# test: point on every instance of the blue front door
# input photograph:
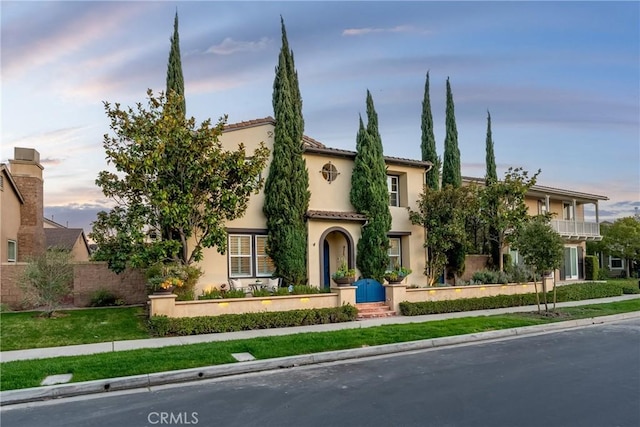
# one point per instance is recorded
(369, 290)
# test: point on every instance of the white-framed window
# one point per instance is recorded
(542, 207)
(395, 253)
(240, 255)
(394, 190)
(567, 211)
(616, 263)
(264, 263)
(248, 256)
(12, 251)
(515, 256)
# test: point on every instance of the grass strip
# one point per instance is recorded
(29, 373)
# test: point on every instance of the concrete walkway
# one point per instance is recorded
(75, 350)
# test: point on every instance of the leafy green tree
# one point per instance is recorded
(491, 177)
(169, 173)
(622, 240)
(451, 173)
(47, 280)
(370, 196)
(428, 145)
(443, 214)
(541, 249)
(504, 208)
(287, 187)
(175, 80)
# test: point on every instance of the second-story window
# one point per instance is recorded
(568, 213)
(394, 193)
(542, 207)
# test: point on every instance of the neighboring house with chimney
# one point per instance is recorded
(24, 232)
(21, 220)
(57, 236)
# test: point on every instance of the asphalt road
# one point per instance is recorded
(584, 377)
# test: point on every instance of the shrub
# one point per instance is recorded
(104, 298)
(47, 280)
(520, 274)
(165, 326)
(213, 293)
(573, 292)
(591, 267)
(184, 276)
(603, 273)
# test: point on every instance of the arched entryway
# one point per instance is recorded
(336, 244)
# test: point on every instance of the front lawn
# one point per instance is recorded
(22, 330)
(29, 373)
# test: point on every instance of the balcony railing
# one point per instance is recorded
(579, 230)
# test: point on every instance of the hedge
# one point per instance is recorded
(591, 267)
(171, 326)
(574, 292)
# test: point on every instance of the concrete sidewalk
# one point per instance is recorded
(84, 349)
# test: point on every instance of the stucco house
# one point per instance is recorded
(58, 236)
(24, 232)
(568, 210)
(333, 225)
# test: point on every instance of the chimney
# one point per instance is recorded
(27, 174)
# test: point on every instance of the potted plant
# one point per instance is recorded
(397, 275)
(344, 275)
(169, 285)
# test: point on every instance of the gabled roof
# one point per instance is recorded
(52, 223)
(4, 170)
(64, 238)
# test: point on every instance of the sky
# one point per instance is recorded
(560, 79)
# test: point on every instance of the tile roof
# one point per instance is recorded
(307, 140)
(348, 216)
(338, 152)
(543, 190)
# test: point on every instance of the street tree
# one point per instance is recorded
(541, 248)
(622, 240)
(287, 186)
(443, 214)
(370, 196)
(504, 208)
(170, 173)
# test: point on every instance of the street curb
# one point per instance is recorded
(12, 397)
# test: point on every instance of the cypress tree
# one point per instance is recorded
(491, 177)
(287, 185)
(175, 80)
(491, 173)
(451, 163)
(370, 196)
(451, 176)
(428, 144)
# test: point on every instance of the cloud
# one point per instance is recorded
(230, 46)
(396, 29)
